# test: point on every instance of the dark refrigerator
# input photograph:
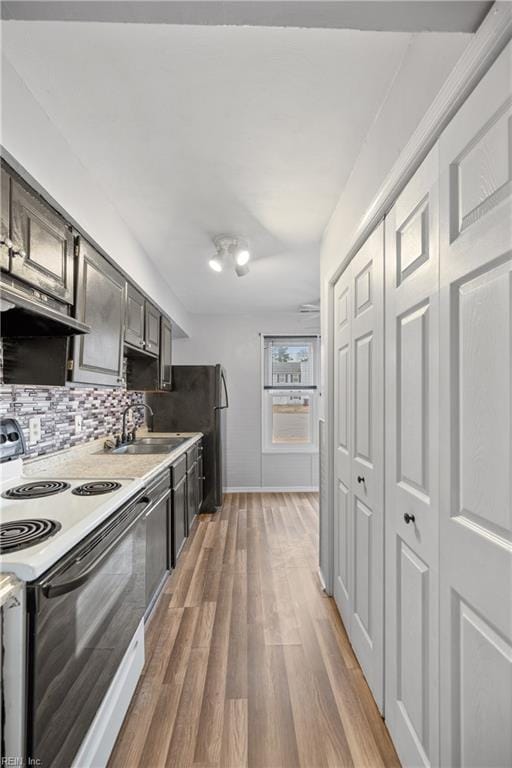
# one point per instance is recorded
(197, 403)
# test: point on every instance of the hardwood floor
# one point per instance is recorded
(247, 661)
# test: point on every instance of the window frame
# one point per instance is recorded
(270, 391)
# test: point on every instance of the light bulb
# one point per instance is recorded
(242, 257)
(215, 264)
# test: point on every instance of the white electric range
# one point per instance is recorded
(41, 519)
(75, 624)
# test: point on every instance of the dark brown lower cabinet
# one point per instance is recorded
(192, 478)
(200, 480)
(157, 533)
(179, 515)
(179, 507)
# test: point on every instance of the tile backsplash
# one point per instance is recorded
(101, 411)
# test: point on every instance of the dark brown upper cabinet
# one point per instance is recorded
(100, 302)
(42, 244)
(152, 329)
(5, 227)
(165, 355)
(134, 317)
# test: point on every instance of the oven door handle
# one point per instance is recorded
(56, 590)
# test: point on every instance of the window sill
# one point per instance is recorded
(290, 450)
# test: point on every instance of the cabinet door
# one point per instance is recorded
(152, 334)
(156, 546)
(179, 517)
(5, 227)
(134, 317)
(165, 354)
(98, 356)
(191, 494)
(42, 250)
(200, 481)
(412, 458)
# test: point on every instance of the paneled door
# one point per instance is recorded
(42, 245)
(100, 300)
(475, 426)
(412, 459)
(359, 482)
(343, 587)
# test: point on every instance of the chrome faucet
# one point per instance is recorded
(124, 436)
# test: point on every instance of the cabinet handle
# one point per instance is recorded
(21, 253)
(7, 242)
(360, 479)
(409, 518)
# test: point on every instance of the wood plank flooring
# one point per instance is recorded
(247, 661)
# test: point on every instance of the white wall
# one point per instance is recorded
(34, 142)
(234, 341)
(411, 93)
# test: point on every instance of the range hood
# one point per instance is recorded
(23, 315)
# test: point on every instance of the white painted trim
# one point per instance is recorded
(490, 39)
(272, 489)
(267, 447)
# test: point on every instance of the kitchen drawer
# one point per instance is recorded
(178, 470)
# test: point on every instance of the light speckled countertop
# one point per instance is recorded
(89, 460)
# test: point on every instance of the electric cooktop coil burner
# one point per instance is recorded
(96, 488)
(20, 534)
(36, 490)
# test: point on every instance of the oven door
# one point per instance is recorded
(82, 616)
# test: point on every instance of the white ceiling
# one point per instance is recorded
(194, 131)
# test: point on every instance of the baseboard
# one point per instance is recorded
(272, 489)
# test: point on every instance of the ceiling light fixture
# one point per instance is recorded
(216, 264)
(242, 257)
(231, 250)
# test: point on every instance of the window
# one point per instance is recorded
(290, 374)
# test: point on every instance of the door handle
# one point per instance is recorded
(409, 518)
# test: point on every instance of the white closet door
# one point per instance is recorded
(359, 416)
(367, 479)
(343, 536)
(412, 458)
(476, 430)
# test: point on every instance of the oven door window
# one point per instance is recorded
(77, 641)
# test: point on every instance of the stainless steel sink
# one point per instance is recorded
(174, 441)
(144, 448)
